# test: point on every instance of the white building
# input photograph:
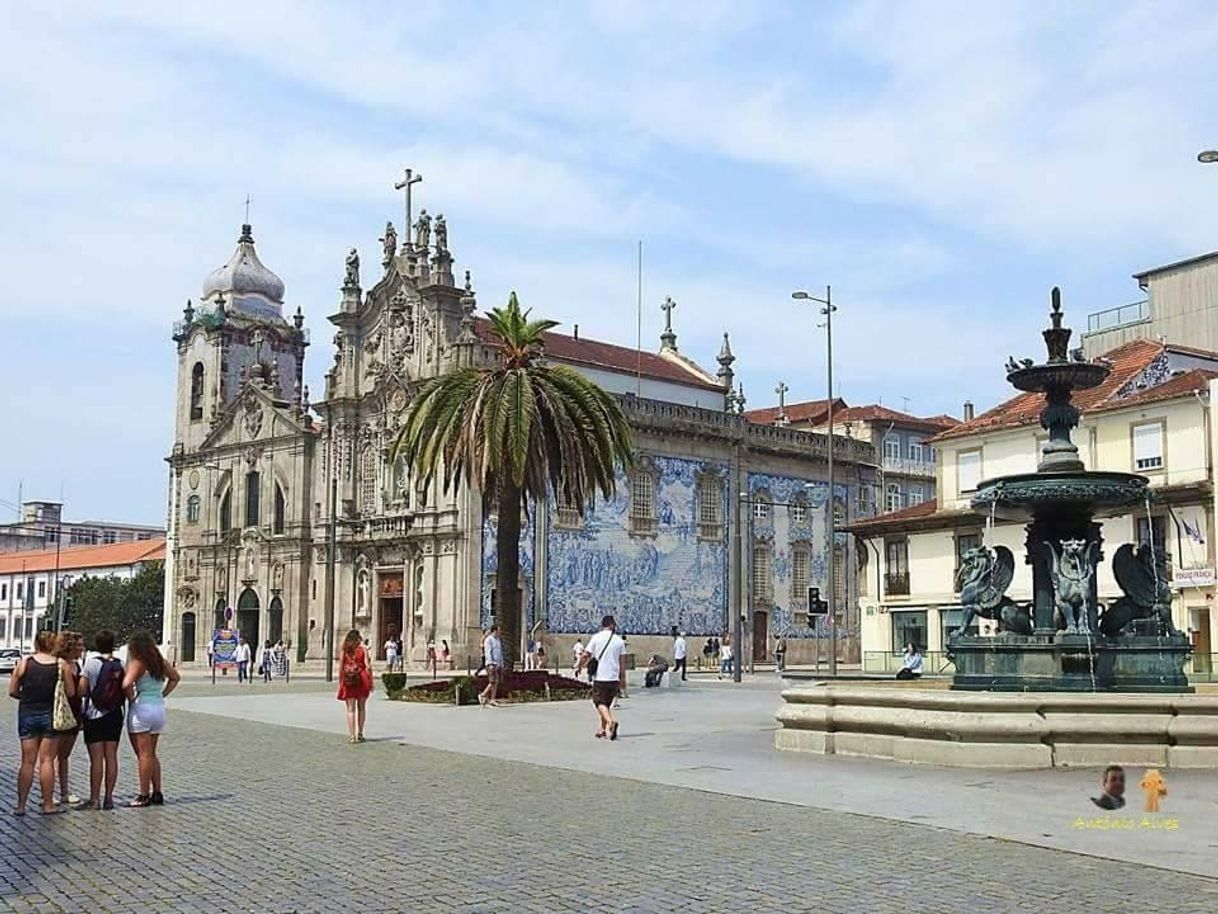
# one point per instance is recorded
(28, 580)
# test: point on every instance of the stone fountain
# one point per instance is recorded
(1065, 640)
(1053, 687)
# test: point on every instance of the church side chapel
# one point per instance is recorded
(262, 479)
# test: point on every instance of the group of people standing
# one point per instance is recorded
(59, 696)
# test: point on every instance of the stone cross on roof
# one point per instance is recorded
(782, 390)
(668, 339)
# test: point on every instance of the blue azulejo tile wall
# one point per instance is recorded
(648, 582)
(782, 526)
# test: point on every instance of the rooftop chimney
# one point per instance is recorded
(968, 410)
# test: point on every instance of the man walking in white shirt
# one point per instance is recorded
(679, 652)
(603, 658)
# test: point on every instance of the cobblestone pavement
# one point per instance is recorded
(274, 819)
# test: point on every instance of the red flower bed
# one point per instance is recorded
(517, 686)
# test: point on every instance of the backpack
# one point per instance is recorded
(107, 694)
(353, 672)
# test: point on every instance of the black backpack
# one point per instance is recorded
(107, 693)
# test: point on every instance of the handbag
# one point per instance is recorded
(595, 662)
(62, 717)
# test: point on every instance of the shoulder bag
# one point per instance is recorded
(595, 662)
(62, 717)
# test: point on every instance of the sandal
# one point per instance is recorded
(157, 798)
(18, 813)
(53, 811)
(140, 801)
(613, 731)
(82, 805)
(600, 734)
(351, 740)
(108, 805)
(360, 739)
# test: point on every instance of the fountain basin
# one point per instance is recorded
(1068, 662)
(1074, 375)
(1025, 496)
(1000, 730)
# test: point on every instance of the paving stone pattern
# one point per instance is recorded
(276, 819)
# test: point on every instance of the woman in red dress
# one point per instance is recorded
(354, 684)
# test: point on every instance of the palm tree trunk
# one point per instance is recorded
(507, 572)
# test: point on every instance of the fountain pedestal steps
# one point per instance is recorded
(1001, 729)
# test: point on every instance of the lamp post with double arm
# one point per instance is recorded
(827, 310)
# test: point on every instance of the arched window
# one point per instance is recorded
(253, 481)
(218, 619)
(196, 391)
(192, 509)
(226, 512)
(280, 510)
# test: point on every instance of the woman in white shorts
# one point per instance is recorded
(148, 680)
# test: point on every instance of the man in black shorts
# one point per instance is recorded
(603, 657)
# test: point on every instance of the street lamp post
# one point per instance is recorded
(827, 310)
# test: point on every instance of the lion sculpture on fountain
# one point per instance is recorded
(1072, 569)
(985, 574)
(1142, 576)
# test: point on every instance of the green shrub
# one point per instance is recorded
(394, 683)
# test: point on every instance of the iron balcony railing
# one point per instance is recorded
(906, 467)
(934, 663)
(896, 583)
(1133, 313)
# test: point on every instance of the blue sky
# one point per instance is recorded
(941, 164)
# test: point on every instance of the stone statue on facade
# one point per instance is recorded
(1071, 569)
(389, 244)
(1142, 576)
(363, 593)
(441, 234)
(422, 232)
(352, 277)
(985, 574)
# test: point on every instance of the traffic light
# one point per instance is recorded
(816, 606)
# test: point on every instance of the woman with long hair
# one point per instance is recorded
(354, 684)
(33, 685)
(69, 648)
(147, 682)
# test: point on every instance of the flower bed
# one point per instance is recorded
(524, 686)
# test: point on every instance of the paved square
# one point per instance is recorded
(272, 818)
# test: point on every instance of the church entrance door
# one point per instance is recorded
(391, 610)
(248, 612)
(761, 636)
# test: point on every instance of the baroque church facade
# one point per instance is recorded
(279, 505)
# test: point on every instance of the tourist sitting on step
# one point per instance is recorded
(657, 666)
(911, 663)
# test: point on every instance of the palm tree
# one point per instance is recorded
(518, 431)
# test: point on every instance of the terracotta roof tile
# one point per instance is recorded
(810, 411)
(1127, 362)
(73, 558)
(876, 412)
(609, 356)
